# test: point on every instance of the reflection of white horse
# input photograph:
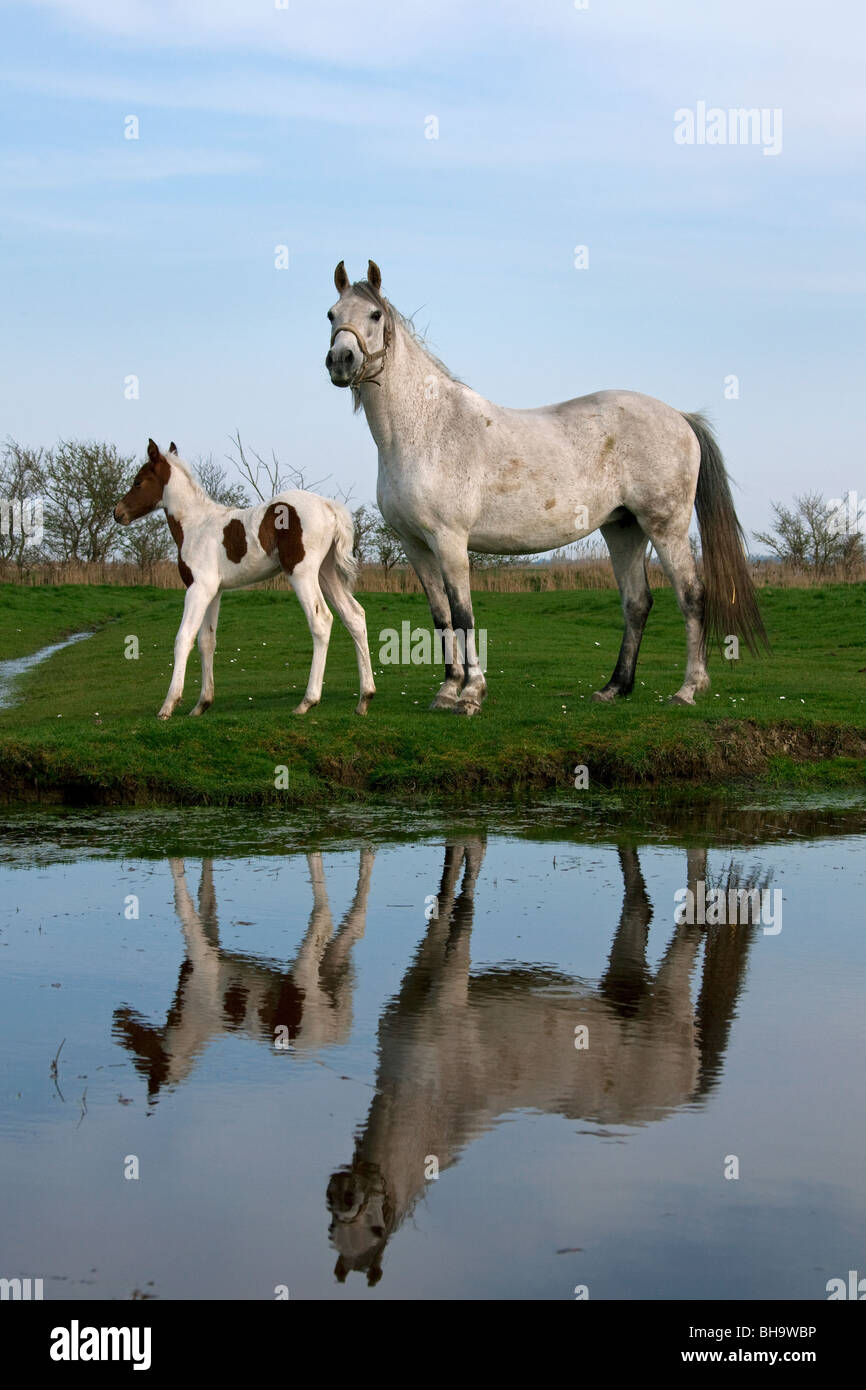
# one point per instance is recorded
(223, 991)
(457, 1049)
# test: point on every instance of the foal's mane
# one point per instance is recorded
(395, 318)
(187, 469)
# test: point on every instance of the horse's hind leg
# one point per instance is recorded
(354, 619)
(206, 645)
(627, 542)
(319, 620)
(678, 563)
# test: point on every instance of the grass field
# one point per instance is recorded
(85, 728)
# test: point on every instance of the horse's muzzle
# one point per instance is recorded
(342, 366)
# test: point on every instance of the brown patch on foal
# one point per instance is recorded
(235, 540)
(176, 530)
(551, 502)
(286, 538)
(607, 446)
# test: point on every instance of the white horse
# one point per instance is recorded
(457, 472)
(306, 536)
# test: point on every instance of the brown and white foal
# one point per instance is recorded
(306, 536)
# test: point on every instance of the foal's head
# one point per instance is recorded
(361, 328)
(145, 495)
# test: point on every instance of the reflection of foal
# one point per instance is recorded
(306, 536)
(221, 991)
(457, 1049)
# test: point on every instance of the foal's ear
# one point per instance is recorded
(374, 276)
(153, 451)
(341, 279)
(172, 448)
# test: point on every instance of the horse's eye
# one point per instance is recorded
(376, 315)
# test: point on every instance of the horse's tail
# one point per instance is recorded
(730, 601)
(343, 545)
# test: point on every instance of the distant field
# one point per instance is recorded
(85, 729)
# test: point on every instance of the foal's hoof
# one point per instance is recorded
(164, 714)
(444, 702)
(301, 708)
(200, 708)
(364, 703)
(681, 699)
(604, 697)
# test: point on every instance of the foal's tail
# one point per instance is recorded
(343, 545)
(730, 602)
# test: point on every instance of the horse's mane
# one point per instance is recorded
(395, 318)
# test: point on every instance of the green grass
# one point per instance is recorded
(86, 728)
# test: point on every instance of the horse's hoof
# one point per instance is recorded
(300, 709)
(199, 709)
(444, 702)
(681, 700)
(164, 714)
(467, 707)
(604, 697)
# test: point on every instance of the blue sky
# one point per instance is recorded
(305, 126)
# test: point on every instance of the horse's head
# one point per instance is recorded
(361, 1220)
(148, 485)
(361, 329)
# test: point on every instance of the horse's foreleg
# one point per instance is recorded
(354, 620)
(198, 597)
(454, 560)
(426, 567)
(319, 620)
(627, 542)
(206, 645)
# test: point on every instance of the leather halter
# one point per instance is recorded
(361, 374)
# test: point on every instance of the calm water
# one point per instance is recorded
(305, 1023)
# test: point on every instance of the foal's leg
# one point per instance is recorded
(454, 562)
(206, 645)
(196, 603)
(627, 542)
(675, 553)
(319, 621)
(355, 621)
(427, 568)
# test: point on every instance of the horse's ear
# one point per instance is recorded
(152, 451)
(374, 276)
(341, 279)
(172, 448)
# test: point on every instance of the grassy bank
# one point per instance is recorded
(85, 729)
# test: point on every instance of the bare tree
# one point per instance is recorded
(808, 535)
(81, 480)
(385, 544)
(21, 505)
(267, 478)
(146, 542)
(364, 521)
(216, 483)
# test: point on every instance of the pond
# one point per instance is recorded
(386, 1056)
